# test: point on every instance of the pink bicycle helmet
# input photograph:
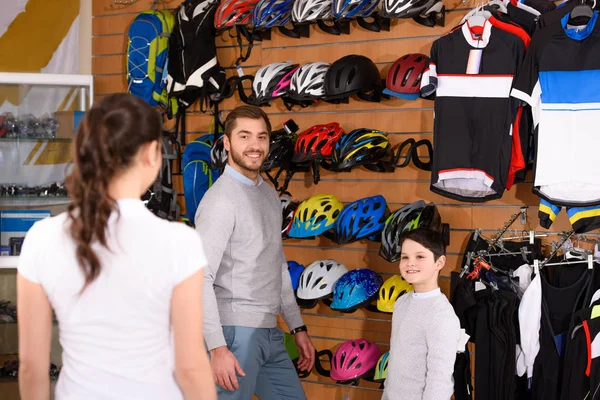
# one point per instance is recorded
(354, 359)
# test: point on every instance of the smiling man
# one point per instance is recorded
(246, 282)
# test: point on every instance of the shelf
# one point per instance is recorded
(33, 200)
(34, 139)
(8, 262)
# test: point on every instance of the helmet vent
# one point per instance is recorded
(352, 361)
(392, 290)
(317, 281)
(323, 286)
(328, 266)
(361, 346)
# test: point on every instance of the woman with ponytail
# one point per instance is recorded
(125, 285)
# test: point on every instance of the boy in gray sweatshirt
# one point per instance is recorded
(246, 282)
(425, 329)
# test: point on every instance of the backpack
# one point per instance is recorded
(194, 71)
(198, 176)
(161, 198)
(147, 51)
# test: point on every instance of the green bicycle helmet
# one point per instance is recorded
(381, 367)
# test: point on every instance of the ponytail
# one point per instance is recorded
(107, 140)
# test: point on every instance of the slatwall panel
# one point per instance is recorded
(401, 119)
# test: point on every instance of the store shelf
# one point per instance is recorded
(8, 262)
(33, 139)
(17, 201)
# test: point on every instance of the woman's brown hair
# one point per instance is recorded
(106, 142)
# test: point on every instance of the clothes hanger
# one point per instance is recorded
(582, 10)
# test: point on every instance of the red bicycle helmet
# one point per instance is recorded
(234, 12)
(317, 142)
(404, 77)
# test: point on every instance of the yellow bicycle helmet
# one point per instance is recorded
(389, 292)
(381, 368)
(315, 215)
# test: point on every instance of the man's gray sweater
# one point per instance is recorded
(246, 282)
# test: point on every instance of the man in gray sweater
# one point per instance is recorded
(246, 282)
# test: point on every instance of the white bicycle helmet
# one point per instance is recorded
(317, 280)
(305, 11)
(272, 81)
(308, 81)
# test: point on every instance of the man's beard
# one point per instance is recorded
(239, 160)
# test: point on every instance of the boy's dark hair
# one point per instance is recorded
(428, 238)
(246, 111)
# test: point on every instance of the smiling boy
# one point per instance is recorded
(425, 329)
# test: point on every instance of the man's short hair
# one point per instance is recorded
(248, 111)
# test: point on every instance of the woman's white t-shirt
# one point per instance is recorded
(116, 334)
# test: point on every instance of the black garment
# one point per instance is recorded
(563, 294)
(463, 390)
(543, 6)
(473, 114)
(524, 19)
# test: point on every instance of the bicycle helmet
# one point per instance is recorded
(288, 208)
(218, 154)
(404, 77)
(355, 289)
(360, 219)
(412, 216)
(354, 359)
(404, 8)
(234, 12)
(269, 13)
(381, 368)
(434, 14)
(281, 152)
(317, 142)
(308, 82)
(306, 11)
(295, 269)
(367, 147)
(353, 74)
(318, 279)
(394, 287)
(350, 9)
(272, 81)
(315, 216)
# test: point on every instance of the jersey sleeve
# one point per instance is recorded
(526, 85)
(31, 257)
(429, 80)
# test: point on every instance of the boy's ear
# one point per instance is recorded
(440, 263)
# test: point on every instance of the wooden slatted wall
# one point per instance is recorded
(401, 119)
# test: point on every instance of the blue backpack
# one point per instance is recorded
(198, 176)
(147, 51)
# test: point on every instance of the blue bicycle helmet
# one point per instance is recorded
(355, 289)
(353, 9)
(360, 219)
(269, 13)
(295, 269)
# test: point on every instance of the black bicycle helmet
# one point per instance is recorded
(350, 75)
(410, 217)
(367, 147)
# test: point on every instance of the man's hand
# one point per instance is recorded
(224, 367)
(306, 361)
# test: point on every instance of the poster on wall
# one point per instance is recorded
(38, 36)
